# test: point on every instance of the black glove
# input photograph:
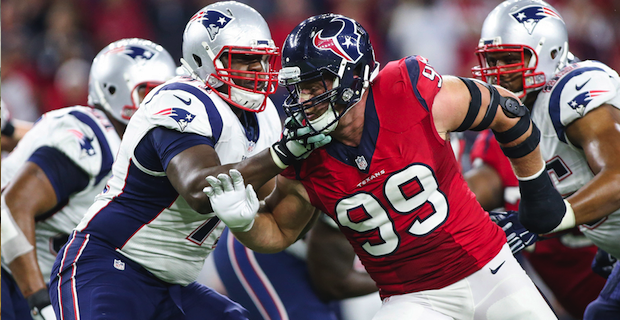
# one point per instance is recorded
(41, 306)
(296, 144)
(517, 236)
(603, 263)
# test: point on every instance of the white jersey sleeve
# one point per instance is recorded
(581, 88)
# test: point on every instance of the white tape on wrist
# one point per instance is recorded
(534, 176)
(568, 221)
(14, 242)
(276, 159)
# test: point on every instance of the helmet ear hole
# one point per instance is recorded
(554, 53)
(112, 89)
(197, 60)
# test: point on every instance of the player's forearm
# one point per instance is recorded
(258, 169)
(598, 198)
(265, 235)
(27, 274)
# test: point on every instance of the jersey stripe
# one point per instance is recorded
(554, 100)
(106, 157)
(214, 115)
(413, 68)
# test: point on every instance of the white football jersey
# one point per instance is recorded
(85, 136)
(139, 212)
(576, 90)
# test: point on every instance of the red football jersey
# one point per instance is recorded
(563, 262)
(399, 197)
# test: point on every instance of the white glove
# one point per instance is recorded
(296, 144)
(231, 201)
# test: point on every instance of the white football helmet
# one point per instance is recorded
(221, 30)
(516, 26)
(122, 69)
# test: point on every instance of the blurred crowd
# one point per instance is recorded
(47, 45)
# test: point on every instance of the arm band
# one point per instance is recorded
(8, 129)
(541, 208)
(474, 105)
(525, 147)
(14, 242)
(491, 110)
(515, 132)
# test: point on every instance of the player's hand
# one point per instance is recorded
(232, 201)
(296, 144)
(517, 236)
(603, 263)
(41, 306)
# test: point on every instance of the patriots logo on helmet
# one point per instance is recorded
(134, 52)
(344, 44)
(580, 102)
(530, 16)
(181, 116)
(213, 21)
(86, 147)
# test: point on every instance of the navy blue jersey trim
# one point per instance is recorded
(107, 159)
(414, 69)
(160, 145)
(57, 167)
(347, 154)
(215, 119)
(554, 100)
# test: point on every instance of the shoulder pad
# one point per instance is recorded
(76, 139)
(584, 87)
(186, 107)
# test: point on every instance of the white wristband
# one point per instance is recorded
(14, 242)
(568, 221)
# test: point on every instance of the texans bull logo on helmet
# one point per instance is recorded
(345, 43)
(213, 21)
(529, 17)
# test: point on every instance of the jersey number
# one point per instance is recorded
(430, 73)
(201, 233)
(394, 190)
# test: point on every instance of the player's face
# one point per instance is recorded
(246, 62)
(311, 89)
(508, 62)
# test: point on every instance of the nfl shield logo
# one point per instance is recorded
(361, 162)
(118, 264)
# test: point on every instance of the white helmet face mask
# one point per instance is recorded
(522, 28)
(218, 34)
(124, 72)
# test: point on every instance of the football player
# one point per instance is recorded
(52, 176)
(524, 48)
(389, 178)
(138, 250)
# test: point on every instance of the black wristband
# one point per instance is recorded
(39, 299)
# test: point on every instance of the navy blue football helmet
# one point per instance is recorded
(327, 46)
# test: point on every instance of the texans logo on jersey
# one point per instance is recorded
(213, 20)
(342, 43)
(134, 52)
(86, 147)
(580, 102)
(529, 17)
(181, 116)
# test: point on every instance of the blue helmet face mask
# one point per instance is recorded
(327, 47)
